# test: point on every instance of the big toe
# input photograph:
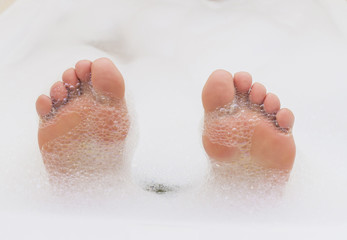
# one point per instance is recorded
(106, 78)
(218, 90)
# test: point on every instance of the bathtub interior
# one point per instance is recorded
(165, 51)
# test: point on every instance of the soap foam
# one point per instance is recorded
(233, 125)
(92, 150)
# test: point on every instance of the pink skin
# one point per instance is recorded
(270, 147)
(58, 93)
(43, 105)
(70, 79)
(106, 80)
(243, 81)
(83, 70)
(257, 93)
(285, 118)
(218, 90)
(272, 103)
(78, 120)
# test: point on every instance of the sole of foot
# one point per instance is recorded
(245, 127)
(84, 122)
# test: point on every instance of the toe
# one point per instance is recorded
(285, 118)
(271, 103)
(70, 79)
(106, 78)
(43, 105)
(58, 93)
(218, 90)
(243, 81)
(83, 69)
(257, 94)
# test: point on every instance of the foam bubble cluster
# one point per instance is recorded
(95, 146)
(233, 125)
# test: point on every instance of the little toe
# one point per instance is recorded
(43, 105)
(58, 93)
(83, 69)
(257, 94)
(218, 90)
(70, 79)
(285, 118)
(271, 103)
(106, 79)
(243, 81)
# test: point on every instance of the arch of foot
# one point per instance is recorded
(83, 127)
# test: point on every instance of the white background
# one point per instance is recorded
(165, 51)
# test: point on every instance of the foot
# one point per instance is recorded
(84, 123)
(244, 125)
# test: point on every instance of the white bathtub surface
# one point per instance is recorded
(166, 50)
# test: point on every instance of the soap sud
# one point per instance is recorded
(243, 115)
(92, 151)
(96, 168)
(93, 158)
(233, 126)
(316, 189)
